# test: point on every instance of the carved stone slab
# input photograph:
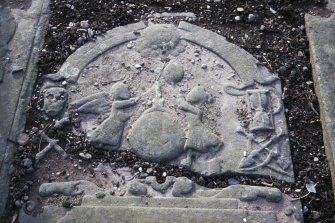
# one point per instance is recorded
(181, 95)
(175, 200)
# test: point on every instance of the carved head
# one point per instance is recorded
(55, 99)
(120, 91)
(159, 39)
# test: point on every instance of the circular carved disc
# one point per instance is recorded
(157, 136)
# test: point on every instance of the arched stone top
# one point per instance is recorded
(176, 94)
(246, 66)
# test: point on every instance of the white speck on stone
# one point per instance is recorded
(237, 18)
(64, 83)
(240, 9)
(309, 82)
(138, 66)
(164, 174)
(96, 84)
(262, 27)
(258, 46)
(244, 220)
(245, 153)
(316, 159)
(140, 169)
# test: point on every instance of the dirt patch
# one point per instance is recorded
(272, 31)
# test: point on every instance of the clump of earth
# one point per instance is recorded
(272, 31)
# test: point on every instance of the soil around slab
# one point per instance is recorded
(278, 40)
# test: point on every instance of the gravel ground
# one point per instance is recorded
(271, 30)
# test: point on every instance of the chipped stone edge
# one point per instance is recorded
(19, 119)
(323, 84)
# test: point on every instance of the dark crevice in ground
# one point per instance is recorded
(278, 40)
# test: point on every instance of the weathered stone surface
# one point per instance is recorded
(16, 88)
(192, 203)
(7, 30)
(190, 98)
(320, 33)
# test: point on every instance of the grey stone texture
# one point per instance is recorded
(180, 201)
(18, 79)
(188, 97)
(320, 33)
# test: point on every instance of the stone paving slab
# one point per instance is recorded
(321, 36)
(181, 95)
(175, 200)
(17, 82)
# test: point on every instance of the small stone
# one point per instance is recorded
(305, 69)
(283, 70)
(80, 41)
(300, 54)
(34, 129)
(164, 174)
(27, 163)
(64, 83)
(138, 66)
(251, 17)
(23, 139)
(239, 9)
(237, 18)
(316, 159)
(309, 82)
(258, 46)
(18, 204)
(84, 24)
(96, 84)
(149, 170)
(273, 11)
(204, 66)
(130, 45)
(86, 156)
(140, 169)
(262, 27)
(100, 195)
(90, 33)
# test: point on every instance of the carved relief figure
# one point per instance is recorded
(156, 135)
(198, 138)
(109, 133)
(54, 100)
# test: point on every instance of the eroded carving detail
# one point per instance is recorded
(52, 144)
(170, 100)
